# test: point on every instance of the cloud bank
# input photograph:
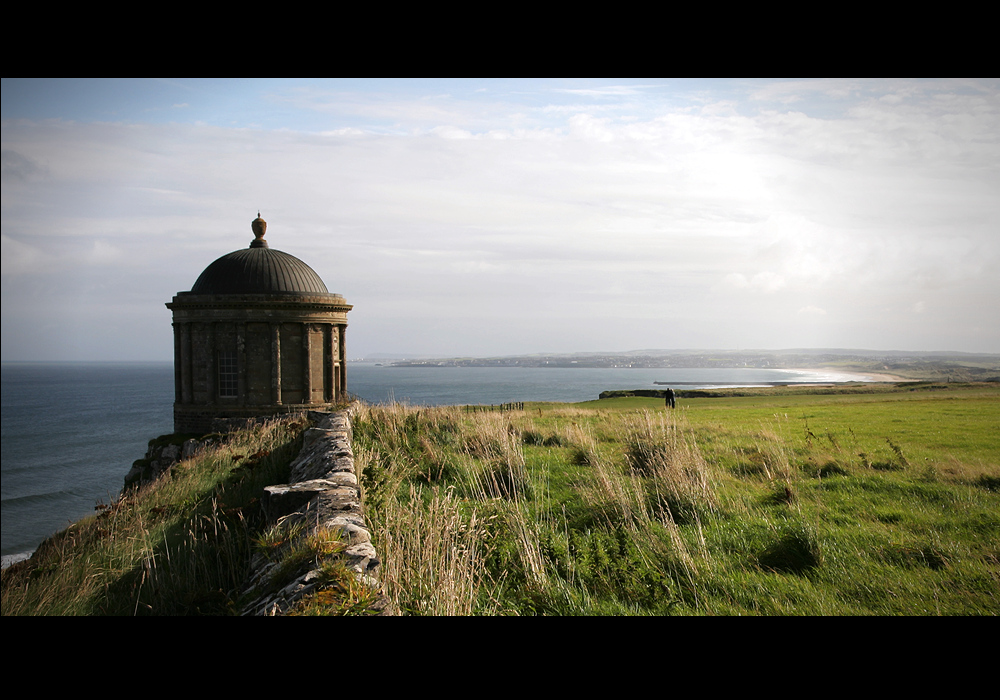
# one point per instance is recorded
(504, 218)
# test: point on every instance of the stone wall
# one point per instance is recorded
(322, 496)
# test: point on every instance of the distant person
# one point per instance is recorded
(668, 398)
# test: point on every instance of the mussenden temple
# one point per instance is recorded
(258, 334)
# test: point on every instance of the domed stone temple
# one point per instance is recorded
(258, 334)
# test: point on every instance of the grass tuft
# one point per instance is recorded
(796, 551)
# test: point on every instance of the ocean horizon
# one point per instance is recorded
(71, 430)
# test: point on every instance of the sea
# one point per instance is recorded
(71, 431)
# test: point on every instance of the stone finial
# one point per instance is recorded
(259, 226)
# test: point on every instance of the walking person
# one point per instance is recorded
(668, 398)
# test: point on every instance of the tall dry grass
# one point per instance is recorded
(432, 554)
(449, 546)
(430, 541)
(678, 476)
(661, 482)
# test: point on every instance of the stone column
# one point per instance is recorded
(241, 363)
(307, 363)
(177, 362)
(186, 388)
(335, 362)
(212, 362)
(342, 391)
(329, 366)
(276, 363)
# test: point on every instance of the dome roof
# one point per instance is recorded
(259, 270)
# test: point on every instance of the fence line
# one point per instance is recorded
(515, 406)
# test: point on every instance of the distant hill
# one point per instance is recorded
(954, 366)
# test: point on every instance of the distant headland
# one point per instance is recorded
(893, 365)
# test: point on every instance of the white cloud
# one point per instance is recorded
(814, 311)
(19, 258)
(16, 168)
(451, 132)
(766, 282)
(794, 91)
(103, 253)
(608, 90)
(709, 212)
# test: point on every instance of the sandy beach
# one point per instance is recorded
(872, 376)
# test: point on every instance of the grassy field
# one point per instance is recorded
(783, 502)
(874, 500)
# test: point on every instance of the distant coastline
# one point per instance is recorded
(866, 365)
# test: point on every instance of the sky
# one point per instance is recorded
(495, 216)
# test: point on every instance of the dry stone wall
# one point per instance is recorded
(322, 497)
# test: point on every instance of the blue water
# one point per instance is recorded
(70, 432)
(496, 385)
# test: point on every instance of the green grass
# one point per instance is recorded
(777, 503)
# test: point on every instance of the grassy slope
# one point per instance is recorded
(778, 503)
(180, 546)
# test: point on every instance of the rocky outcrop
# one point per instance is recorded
(161, 454)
